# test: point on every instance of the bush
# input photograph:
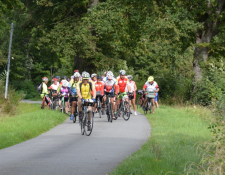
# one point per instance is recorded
(27, 87)
(10, 104)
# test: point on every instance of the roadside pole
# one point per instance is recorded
(8, 63)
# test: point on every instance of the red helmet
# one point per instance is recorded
(76, 70)
(54, 79)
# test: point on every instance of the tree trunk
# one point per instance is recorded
(201, 54)
(92, 4)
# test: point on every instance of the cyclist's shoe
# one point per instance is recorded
(135, 113)
(89, 126)
(71, 117)
(130, 112)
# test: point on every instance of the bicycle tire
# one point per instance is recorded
(88, 133)
(74, 119)
(110, 112)
(138, 102)
(126, 115)
(100, 112)
(82, 123)
(146, 108)
(150, 108)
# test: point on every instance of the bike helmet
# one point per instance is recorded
(44, 79)
(85, 75)
(110, 75)
(99, 77)
(57, 77)
(76, 71)
(54, 79)
(76, 75)
(122, 72)
(65, 83)
(150, 79)
(65, 77)
(130, 77)
(93, 75)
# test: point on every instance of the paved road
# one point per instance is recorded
(63, 150)
(33, 102)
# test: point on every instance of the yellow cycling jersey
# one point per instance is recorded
(85, 90)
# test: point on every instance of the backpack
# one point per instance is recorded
(40, 88)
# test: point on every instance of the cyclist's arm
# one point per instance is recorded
(135, 87)
(144, 87)
(94, 91)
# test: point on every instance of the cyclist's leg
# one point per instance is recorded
(113, 106)
(66, 105)
(89, 113)
(153, 105)
(74, 103)
(80, 108)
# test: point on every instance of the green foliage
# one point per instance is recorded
(9, 105)
(26, 87)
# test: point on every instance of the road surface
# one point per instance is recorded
(63, 150)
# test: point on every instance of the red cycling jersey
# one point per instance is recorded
(122, 83)
(99, 87)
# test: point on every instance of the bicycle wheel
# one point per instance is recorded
(146, 108)
(138, 102)
(74, 119)
(110, 112)
(86, 130)
(126, 114)
(150, 108)
(82, 124)
(100, 112)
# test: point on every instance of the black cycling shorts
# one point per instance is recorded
(100, 97)
(65, 99)
(110, 94)
(131, 97)
(73, 99)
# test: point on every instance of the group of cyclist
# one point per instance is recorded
(80, 87)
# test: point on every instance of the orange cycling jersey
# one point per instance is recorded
(100, 87)
(122, 83)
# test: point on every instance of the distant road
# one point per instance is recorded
(29, 101)
(63, 150)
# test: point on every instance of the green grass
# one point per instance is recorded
(172, 145)
(29, 122)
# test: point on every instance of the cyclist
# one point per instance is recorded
(99, 87)
(110, 90)
(84, 92)
(94, 77)
(58, 78)
(122, 83)
(54, 88)
(73, 99)
(132, 96)
(44, 92)
(65, 91)
(151, 85)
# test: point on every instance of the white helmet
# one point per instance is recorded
(85, 75)
(65, 83)
(130, 77)
(76, 75)
(93, 75)
(122, 72)
(109, 75)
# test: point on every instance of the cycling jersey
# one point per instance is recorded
(85, 89)
(44, 90)
(54, 86)
(99, 87)
(74, 86)
(150, 87)
(122, 83)
(65, 91)
(109, 86)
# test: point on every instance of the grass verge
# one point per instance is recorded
(172, 145)
(29, 122)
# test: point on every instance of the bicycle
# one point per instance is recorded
(141, 99)
(85, 113)
(124, 108)
(49, 102)
(62, 106)
(109, 108)
(148, 106)
(55, 99)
